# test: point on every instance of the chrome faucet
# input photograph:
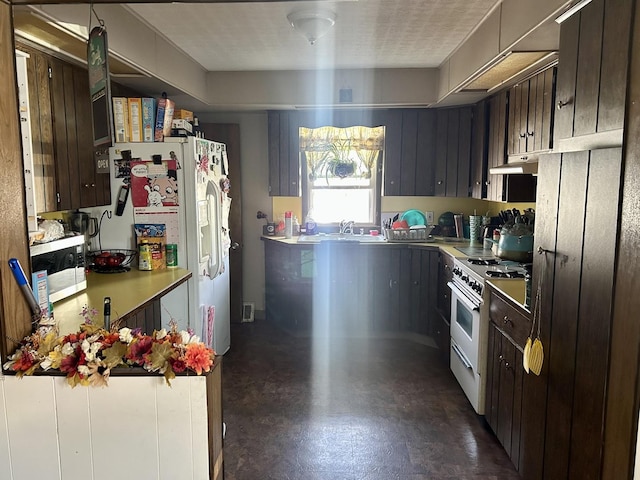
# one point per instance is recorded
(346, 226)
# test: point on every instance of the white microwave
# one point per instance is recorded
(64, 261)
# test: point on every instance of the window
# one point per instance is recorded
(341, 173)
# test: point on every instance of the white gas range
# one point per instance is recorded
(470, 318)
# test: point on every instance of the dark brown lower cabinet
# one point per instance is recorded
(504, 391)
(147, 317)
(289, 298)
(351, 287)
(440, 329)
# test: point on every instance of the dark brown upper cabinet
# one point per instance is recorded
(592, 76)
(496, 143)
(453, 152)
(504, 188)
(60, 115)
(409, 169)
(284, 162)
(480, 150)
(531, 110)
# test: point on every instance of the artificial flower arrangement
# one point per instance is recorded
(88, 356)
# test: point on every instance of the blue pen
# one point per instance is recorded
(20, 277)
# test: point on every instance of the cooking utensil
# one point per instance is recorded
(518, 248)
(525, 355)
(533, 355)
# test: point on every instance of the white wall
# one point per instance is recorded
(254, 166)
(136, 428)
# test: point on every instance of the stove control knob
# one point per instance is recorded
(465, 278)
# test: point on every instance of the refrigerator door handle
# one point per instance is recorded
(215, 264)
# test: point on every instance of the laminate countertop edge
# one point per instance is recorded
(128, 291)
(512, 290)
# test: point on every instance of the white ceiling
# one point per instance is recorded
(367, 33)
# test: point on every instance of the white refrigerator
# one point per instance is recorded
(183, 184)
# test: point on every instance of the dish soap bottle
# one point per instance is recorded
(296, 226)
(310, 224)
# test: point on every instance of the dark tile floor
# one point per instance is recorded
(306, 408)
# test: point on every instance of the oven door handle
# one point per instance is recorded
(461, 356)
(463, 297)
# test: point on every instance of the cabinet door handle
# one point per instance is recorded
(530, 134)
(523, 135)
(439, 182)
(507, 321)
(562, 104)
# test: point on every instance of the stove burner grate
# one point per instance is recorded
(503, 274)
(482, 261)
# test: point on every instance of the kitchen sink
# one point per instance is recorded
(340, 237)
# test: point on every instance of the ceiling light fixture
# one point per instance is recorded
(575, 8)
(313, 24)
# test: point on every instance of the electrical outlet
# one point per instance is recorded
(429, 216)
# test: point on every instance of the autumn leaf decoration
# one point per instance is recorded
(88, 357)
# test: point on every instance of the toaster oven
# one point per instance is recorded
(64, 261)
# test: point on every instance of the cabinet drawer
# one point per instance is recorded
(509, 320)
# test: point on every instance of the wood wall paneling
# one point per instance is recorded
(534, 397)
(622, 388)
(15, 321)
(596, 294)
(588, 68)
(567, 67)
(618, 18)
(562, 348)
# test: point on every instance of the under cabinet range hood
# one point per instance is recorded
(523, 167)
